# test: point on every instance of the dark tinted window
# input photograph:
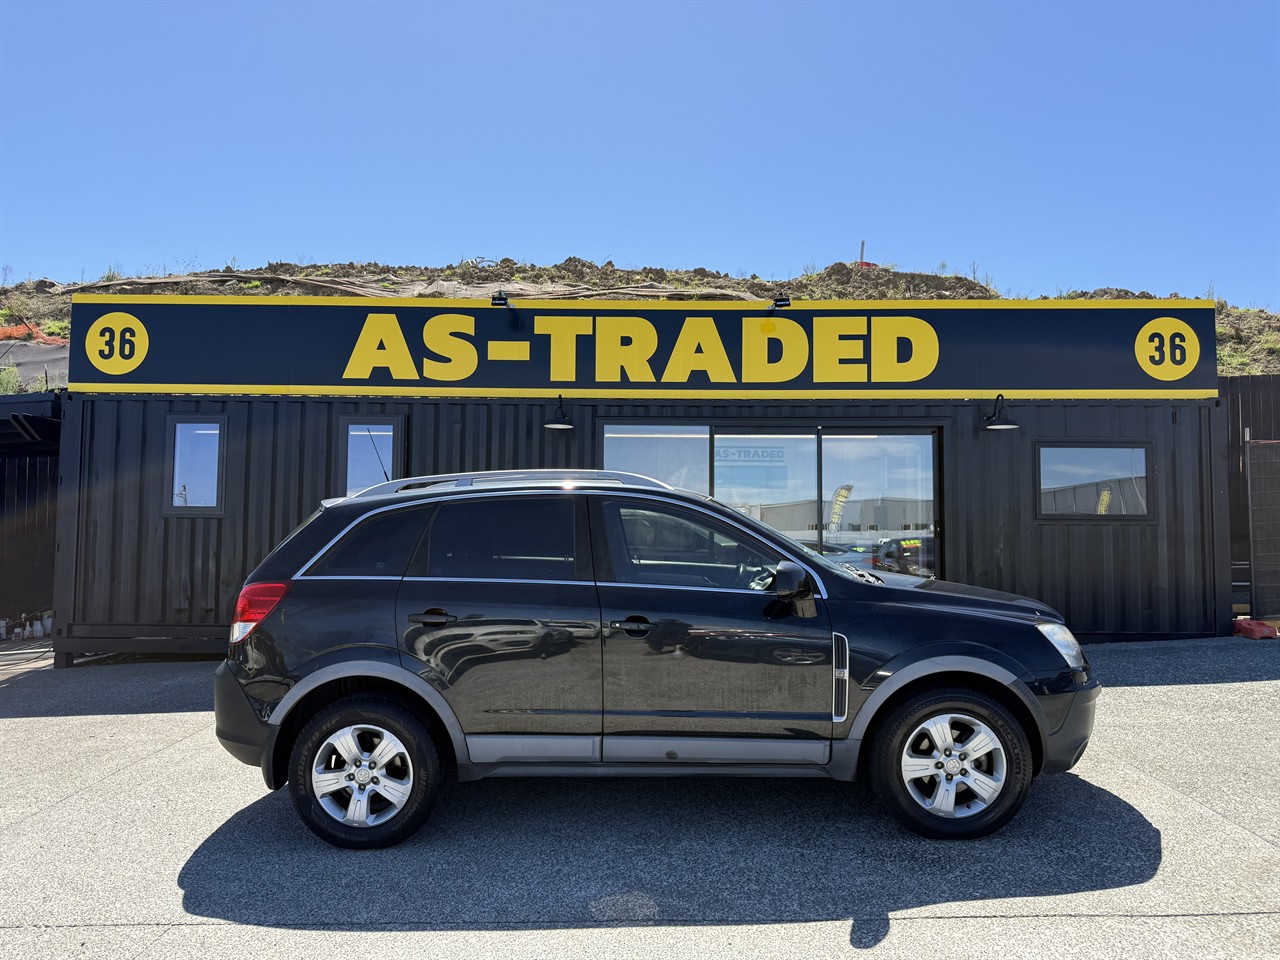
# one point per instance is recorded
(377, 547)
(492, 538)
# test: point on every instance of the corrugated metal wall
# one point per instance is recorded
(27, 498)
(127, 570)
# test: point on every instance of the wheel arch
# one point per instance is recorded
(329, 684)
(981, 676)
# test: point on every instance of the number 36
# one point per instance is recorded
(1176, 352)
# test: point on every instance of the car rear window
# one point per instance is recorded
(378, 546)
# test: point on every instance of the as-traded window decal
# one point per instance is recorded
(669, 349)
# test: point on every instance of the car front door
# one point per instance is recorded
(498, 610)
(702, 662)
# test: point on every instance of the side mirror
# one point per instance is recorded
(791, 582)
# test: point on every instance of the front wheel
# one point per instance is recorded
(364, 773)
(951, 764)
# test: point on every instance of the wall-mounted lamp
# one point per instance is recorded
(999, 420)
(499, 300)
(780, 302)
(559, 420)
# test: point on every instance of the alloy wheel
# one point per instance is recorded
(362, 775)
(953, 765)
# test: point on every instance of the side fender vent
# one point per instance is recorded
(839, 677)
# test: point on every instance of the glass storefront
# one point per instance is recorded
(673, 454)
(864, 498)
(772, 477)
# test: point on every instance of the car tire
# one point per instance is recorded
(364, 773)
(922, 772)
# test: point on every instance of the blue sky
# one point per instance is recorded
(1055, 145)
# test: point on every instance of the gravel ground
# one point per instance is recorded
(135, 835)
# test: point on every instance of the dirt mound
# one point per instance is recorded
(40, 310)
(574, 277)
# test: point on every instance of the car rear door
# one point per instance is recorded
(499, 611)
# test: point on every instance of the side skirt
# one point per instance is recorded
(479, 771)
(842, 766)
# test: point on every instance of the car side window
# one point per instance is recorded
(660, 544)
(497, 538)
(378, 546)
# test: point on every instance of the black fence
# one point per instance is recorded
(1264, 527)
(1253, 415)
(27, 499)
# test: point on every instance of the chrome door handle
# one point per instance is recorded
(632, 626)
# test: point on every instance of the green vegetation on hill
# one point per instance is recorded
(1248, 339)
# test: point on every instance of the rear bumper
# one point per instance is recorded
(240, 730)
(1066, 745)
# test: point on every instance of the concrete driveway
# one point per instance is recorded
(126, 831)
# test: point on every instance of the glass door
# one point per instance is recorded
(673, 453)
(772, 477)
(878, 502)
(867, 499)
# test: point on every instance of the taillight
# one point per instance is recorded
(255, 602)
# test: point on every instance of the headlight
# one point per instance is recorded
(1067, 644)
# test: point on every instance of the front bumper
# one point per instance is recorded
(1065, 746)
(239, 728)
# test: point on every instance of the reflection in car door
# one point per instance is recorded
(499, 611)
(699, 664)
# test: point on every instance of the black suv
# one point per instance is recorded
(571, 623)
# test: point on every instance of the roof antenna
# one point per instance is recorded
(377, 454)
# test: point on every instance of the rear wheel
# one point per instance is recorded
(364, 773)
(952, 764)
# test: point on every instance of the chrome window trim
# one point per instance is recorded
(682, 586)
(628, 493)
(353, 577)
(419, 504)
(564, 583)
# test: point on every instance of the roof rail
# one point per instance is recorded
(507, 476)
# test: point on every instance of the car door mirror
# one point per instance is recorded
(792, 582)
(793, 586)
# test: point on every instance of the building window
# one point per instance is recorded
(673, 453)
(828, 488)
(1093, 481)
(195, 465)
(370, 452)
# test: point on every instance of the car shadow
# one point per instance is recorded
(502, 854)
